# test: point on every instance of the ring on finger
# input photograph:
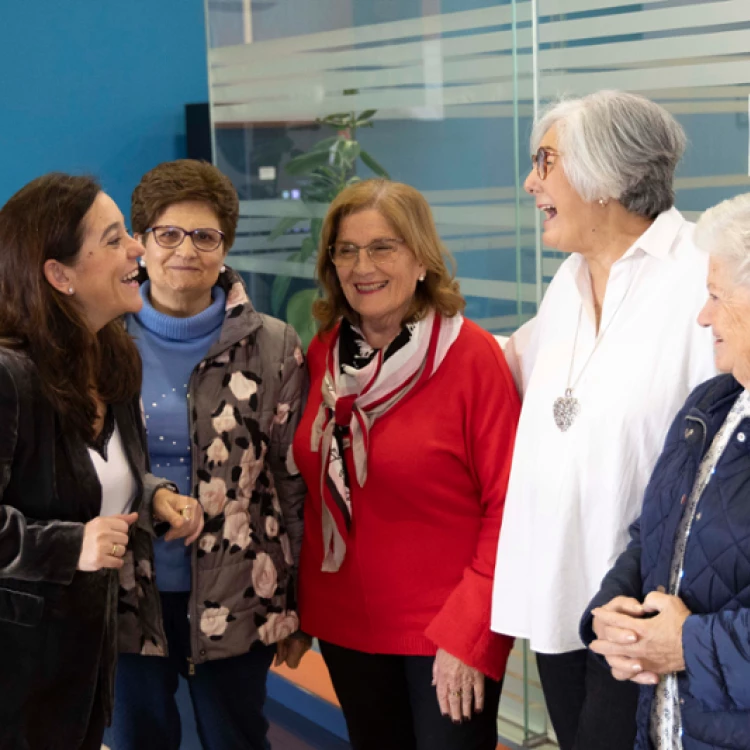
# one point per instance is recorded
(185, 512)
(114, 550)
(458, 693)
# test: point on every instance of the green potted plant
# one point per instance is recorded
(323, 171)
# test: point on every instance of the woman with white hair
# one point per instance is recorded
(603, 368)
(687, 562)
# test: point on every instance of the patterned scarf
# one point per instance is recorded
(360, 385)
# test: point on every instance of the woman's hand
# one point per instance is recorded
(291, 650)
(622, 667)
(105, 539)
(458, 686)
(183, 514)
(657, 649)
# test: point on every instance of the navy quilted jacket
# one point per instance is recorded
(715, 686)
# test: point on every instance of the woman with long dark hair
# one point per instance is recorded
(76, 502)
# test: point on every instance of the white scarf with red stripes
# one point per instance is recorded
(354, 395)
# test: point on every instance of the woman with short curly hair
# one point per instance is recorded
(223, 390)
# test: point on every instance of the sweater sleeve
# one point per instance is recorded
(29, 550)
(462, 627)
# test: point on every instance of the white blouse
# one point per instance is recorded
(573, 494)
(115, 476)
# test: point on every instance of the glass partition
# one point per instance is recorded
(441, 94)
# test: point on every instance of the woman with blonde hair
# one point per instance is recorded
(405, 447)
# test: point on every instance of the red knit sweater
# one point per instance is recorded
(421, 551)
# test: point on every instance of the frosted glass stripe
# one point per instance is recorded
(371, 34)
(712, 181)
(647, 78)
(497, 215)
(307, 87)
(645, 50)
(483, 68)
(559, 7)
(275, 66)
(646, 21)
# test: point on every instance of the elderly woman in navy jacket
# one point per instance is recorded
(673, 614)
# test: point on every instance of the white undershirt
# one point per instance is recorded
(572, 495)
(115, 476)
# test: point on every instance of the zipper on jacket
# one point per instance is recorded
(193, 603)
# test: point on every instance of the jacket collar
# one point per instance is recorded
(240, 317)
(719, 397)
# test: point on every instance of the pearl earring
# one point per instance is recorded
(222, 269)
(142, 262)
(603, 202)
(422, 277)
(70, 290)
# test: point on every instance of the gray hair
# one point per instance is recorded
(724, 232)
(617, 145)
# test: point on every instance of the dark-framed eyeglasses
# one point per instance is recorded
(541, 161)
(381, 252)
(170, 237)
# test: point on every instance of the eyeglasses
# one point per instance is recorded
(380, 252)
(541, 161)
(205, 240)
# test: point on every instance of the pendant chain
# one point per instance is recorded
(566, 408)
(570, 386)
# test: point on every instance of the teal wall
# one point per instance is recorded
(97, 86)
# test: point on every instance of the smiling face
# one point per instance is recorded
(183, 272)
(380, 294)
(727, 312)
(103, 277)
(569, 218)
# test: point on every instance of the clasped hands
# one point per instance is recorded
(637, 647)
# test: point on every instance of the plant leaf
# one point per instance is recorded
(349, 151)
(325, 144)
(279, 290)
(305, 163)
(283, 226)
(373, 165)
(299, 315)
(363, 117)
(309, 248)
(340, 120)
(316, 227)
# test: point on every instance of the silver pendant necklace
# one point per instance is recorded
(567, 407)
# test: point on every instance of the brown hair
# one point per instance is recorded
(185, 180)
(407, 211)
(45, 220)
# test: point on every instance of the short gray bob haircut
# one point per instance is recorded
(616, 145)
(724, 232)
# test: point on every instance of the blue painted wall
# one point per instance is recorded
(97, 87)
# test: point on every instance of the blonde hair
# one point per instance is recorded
(407, 211)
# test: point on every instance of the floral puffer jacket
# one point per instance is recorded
(245, 400)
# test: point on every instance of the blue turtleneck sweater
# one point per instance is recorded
(171, 348)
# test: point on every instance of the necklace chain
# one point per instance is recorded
(566, 408)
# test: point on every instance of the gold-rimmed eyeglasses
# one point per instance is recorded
(541, 161)
(381, 251)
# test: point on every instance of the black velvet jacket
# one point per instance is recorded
(59, 626)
